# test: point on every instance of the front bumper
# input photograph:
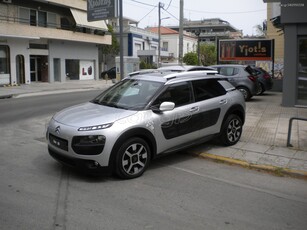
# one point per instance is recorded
(87, 166)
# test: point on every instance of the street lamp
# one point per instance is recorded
(197, 33)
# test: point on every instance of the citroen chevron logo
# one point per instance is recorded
(58, 129)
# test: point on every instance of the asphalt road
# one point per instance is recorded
(178, 191)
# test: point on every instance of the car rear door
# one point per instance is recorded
(212, 102)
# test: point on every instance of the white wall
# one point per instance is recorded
(71, 50)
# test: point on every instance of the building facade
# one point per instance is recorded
(137, 42)
(293, 22)
(47, 41)
(170, 43)
(210, 30)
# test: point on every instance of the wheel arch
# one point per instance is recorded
(135, 132)
(236, 109)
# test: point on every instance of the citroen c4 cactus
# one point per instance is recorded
(141, 117)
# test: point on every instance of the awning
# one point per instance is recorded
(81, 20)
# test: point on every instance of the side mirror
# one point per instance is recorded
(165, 106)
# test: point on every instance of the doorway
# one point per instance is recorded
(57, 69)
(35, 70)
(20, 70)
(39, 68)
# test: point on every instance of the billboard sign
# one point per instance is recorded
(101, 9)
(246, 50)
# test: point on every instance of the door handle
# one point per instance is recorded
(194, 109)
(223, 101)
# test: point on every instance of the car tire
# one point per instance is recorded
(261, 89)
(247, 95)
(132, 158)
(231, 130)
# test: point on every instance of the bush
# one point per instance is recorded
(190, 58)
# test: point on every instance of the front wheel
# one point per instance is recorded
(133, 158)
(231, 130)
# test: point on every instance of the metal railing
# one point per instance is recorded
(290, 128)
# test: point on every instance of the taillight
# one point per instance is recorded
(266, 76)
(252, 78)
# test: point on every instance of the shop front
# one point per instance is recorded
(294, 23)
(5, 77)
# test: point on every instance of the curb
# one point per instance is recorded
(273, 169)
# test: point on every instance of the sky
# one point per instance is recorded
(242, 14)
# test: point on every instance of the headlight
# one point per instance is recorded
(95, 127)
(88, 145)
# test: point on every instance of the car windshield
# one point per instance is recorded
(132, 94)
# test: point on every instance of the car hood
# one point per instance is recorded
(89, 114)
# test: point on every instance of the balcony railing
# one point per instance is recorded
(63, 26)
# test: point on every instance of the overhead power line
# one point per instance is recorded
(147, 13)
(146, 4)
(221, 12)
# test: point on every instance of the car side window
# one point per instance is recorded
(179, 93)
(207, 89)
(227, 71)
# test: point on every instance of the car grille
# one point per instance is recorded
(58, 142)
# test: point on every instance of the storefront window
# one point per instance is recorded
(72, 69)
(79, 69)
(302, 72)
(4, 65)
(4, 60)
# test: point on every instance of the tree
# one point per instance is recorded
(190, 58)
(261, 29)
(207, 54)
(111, 49)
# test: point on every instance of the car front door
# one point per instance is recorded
(178, 126)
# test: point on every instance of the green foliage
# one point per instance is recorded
(208, 54)
(145, 65)
(114, 48)
(190, 58)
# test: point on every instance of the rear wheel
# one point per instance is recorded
(261, 89)
(133, 158)
(231, 130)
(247, 95)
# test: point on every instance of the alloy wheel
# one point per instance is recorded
(234, 130)
(134, 159)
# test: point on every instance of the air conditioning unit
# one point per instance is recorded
(7, 1)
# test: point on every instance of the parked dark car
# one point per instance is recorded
(243, 77)
(109, 74)
(265, 80)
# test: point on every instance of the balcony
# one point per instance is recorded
(16, 27)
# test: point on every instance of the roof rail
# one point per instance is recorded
(197, 73)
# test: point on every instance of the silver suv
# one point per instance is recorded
(144, 116)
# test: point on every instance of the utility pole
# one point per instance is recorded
(181, 33)
(159, 34)
(121, 41)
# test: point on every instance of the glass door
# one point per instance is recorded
(302, 72)
(35, 68)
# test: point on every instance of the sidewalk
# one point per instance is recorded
(44, 88)
(263, 144)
